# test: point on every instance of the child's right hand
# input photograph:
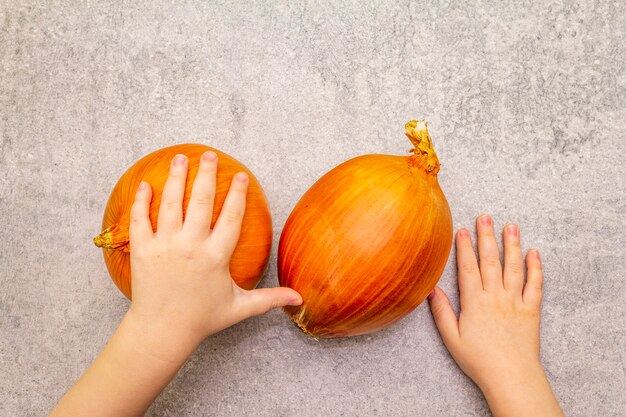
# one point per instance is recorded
(495, 340)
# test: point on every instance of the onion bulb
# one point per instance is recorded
(251, 255)
(367, 242)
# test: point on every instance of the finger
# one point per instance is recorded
(140, 228)
(444, 316)
(534, 279)
(200, 209)
(260, 301)
(513, 261)
(171, 211)
(488, 254)
(467, 265)
(228, 226)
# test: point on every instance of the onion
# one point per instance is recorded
(251, 255)
(367, 242)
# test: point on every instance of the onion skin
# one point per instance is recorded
(252, 253)
(367, 242)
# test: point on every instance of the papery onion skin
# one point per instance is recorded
(252, 252)
(367, 242)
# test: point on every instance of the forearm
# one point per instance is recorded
(526, 393)
(133, 368)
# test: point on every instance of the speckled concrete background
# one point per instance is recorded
(526, 103)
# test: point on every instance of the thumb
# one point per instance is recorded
(444, 316)
(262, 300)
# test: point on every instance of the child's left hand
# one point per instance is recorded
(182, 292)
(181, 280)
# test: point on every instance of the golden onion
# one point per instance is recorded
(251, 255)
(367, 242)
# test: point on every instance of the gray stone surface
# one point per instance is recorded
(526, 103)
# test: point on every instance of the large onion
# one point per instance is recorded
(367, 242)
(251, 255)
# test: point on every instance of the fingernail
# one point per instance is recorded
(242, 177)
(142, 186)
(512, 230)
(179, 159)
(295, 302)
(535, 254)
(432, 294)
(485, 219)
(209, 156)
(463, 233)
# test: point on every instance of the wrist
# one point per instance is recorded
(523, 391)
(499, 382)
(157, 338)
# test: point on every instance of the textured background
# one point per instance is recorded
(526, 103)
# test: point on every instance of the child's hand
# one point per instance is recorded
(181, 279)
(182, 292)
(495, 340)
